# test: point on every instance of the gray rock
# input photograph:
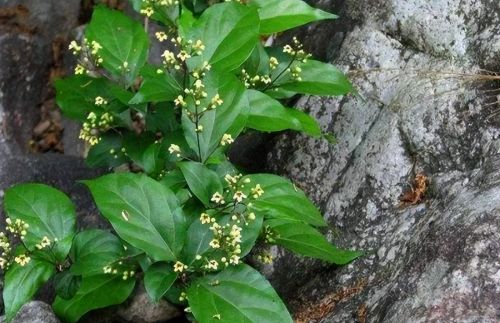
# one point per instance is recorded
(418, 67)
(141, 309)
(35, 312)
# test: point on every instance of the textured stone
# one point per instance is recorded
(423, 108)
(35, 312)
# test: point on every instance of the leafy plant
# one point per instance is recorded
(184, 217)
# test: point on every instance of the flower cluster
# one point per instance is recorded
(118, 270)
(17, 229)
(296, 49)
(89, 52)
(94, 125)
(149, 6)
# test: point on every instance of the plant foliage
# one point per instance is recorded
(184, 218)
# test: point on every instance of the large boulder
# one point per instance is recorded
(425, 106)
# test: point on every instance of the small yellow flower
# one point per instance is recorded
(174, 149)
(273, 63)
(227, 139)
(205, 218)
(257, 191)
(79, 69)
(239, 196)
(100, 101)
(179, 267)
(217, 198)
(22, 260)
(215, 244)
(147, 11)
(161, 36)
(212, 264)
(180, 101)
(234, 260)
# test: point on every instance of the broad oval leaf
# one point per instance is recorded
(267, 114)
(278, 15)
(156, 87)
(95, 292)
(236, 294)
(317, 79)
(158, 279)
(94, 249)
(229, 32)
(202, 181)
(48, 212)
(66, 284)
(22, 282)
(282, 200)
(142, 211)
(124, 42)
(306, 240)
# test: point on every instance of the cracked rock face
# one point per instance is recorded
(424, 107)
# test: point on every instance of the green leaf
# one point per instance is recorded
(47, 211)
(282, 200)
(317, 79)
(95, 292)
(94, 249)
(123, 41)
(136, 204)
(156, 87)
(229, 32)
(278, 15)
(267, 114)
(107, 152)
(76, 95)
(202, 181)
(258, 62)
(21, 283)
(237, 294)
(305, 240)
(228, 118)
(67, 284)
(158, 279)
(197, 241)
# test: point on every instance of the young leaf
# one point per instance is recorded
(317, 79)
(267, 114)
(135, 204)
(95, 292)
(124, 42)
(305, 240)
(94, 249)
(22, 282)
(278, 15)
(282, 200)
(48, 212)
(202, 181)
(229, 32)
(156, 87)
(236, 294)
(158, 279)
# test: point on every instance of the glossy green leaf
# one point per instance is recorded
(282, 200)
(158, 279)
(21, 283)
(229, 32)
(278, 15)
(156, 87)
(267, 114)
(124, 41)
(306, 240)
(48, 212)
(94, 249)
(202, 181)
(228, 118)
(258, 62)
(95, 292)
(135, 204)
(317, 79)
(237, 294)
(197, 241)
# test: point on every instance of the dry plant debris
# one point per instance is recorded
(315, 312)
(417, 193)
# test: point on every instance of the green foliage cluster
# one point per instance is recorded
(185, 218)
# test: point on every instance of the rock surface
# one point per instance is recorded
(35, 312)
(424, 109)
